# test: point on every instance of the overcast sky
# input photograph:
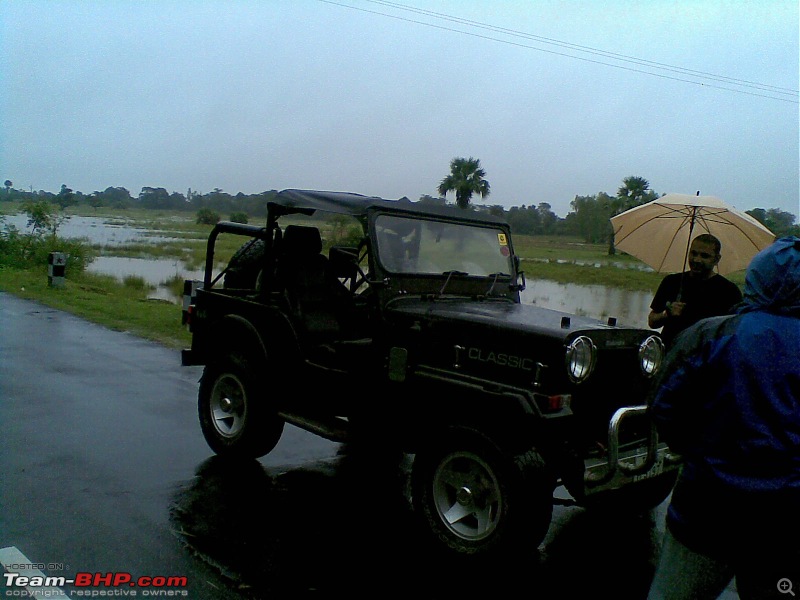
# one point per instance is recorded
(557, 98)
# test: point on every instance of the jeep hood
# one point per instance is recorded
(511, 318)
(507, 342)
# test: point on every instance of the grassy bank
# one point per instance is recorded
(102, 299)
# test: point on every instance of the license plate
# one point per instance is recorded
(656, 470)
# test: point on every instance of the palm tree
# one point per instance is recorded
(633, 192)
(466, 178)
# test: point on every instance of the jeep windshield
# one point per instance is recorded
(429, 247)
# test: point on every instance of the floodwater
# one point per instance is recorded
(154, 271)
(630, 308)
(109, 233)
(99, 231)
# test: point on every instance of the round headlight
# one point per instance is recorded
(581, 354)
(651, 355)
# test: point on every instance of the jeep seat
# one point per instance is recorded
(303, 272)
(343, 265)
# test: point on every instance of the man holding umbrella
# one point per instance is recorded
(664, 235)
(684, 298)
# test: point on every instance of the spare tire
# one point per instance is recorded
(245, 264)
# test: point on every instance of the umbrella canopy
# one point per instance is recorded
(659, 233)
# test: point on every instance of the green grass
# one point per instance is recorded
(136, 283)
(102, 299)
(175, 285)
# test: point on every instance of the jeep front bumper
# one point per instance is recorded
(633, 462)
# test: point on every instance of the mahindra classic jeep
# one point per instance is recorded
(405, 328)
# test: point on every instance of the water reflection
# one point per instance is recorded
(345, 525)
(153, 271)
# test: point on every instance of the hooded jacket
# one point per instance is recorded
(728, 400)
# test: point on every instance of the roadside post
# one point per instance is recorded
(190, 287)
(56, 269)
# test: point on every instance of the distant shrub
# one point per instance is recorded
(354, 236)
(174, 284)
(33, 249)
(206, 216)
(136, 282)
(79, 255)
(344, 231)
(239, 217)
(11, 244)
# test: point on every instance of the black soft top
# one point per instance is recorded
(293, 201)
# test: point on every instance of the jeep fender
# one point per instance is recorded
(233, 334)
(270, 337)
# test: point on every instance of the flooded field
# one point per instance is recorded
(155, 272)
(99, 231)
(106, 234)
(630, 308)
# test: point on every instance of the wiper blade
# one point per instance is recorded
(446, 281)
(495, 277)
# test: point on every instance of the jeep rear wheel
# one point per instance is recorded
(476, 499)
(235, 415)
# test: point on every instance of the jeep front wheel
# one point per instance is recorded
(235, 416)
(477, 499)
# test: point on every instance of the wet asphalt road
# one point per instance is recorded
(105, 470)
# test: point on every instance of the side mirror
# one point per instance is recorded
(520, 274)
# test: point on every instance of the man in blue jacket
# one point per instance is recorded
(728, 400)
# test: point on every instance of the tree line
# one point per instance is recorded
(156, 198)
(588, 219)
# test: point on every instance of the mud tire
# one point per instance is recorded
(474, 498)
(236, 416)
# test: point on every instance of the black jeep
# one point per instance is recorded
(411, 335)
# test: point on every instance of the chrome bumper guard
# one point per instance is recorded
(621, 466)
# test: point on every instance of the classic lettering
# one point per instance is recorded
(501, 359)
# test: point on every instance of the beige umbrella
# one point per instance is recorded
(659, 232)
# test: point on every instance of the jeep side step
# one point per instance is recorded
(334, 429)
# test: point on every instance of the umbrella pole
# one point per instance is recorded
(686, 256)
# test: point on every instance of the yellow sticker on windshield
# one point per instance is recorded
(501, 238)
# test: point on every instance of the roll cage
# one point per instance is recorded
(409, 248)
